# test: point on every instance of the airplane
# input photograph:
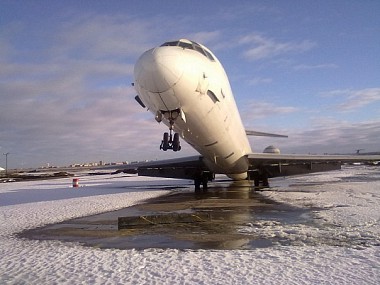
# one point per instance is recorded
(186, 87)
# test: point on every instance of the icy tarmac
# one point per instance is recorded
(341, 246)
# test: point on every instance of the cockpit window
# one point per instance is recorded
(170, 44)
(199, 48)
(190, 45)
(209, 55)
(203, 51)
(185, 45)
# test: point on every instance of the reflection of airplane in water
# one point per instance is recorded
(185, 86)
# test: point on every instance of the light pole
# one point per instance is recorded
(6, 163)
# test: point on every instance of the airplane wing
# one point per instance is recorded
(181, 168)
(258, 158)
(273, 165)
(262, 134)
(262, 165)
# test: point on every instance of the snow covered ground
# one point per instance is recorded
(341, 247)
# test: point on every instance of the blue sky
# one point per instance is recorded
(309, 69)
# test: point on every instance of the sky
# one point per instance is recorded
(308, 69)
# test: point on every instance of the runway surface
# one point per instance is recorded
(231, 215)
(321, 228)
(230, 206)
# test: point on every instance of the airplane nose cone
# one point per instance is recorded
(158, 70)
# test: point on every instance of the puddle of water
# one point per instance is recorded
(229, 204)
(240, 219)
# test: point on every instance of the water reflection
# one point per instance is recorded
(231, 206)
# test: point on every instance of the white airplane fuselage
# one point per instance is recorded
(185, 78)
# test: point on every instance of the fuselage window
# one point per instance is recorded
(212, 96)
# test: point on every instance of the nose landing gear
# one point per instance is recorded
(170, 142)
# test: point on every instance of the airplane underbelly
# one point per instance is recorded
(213, 140)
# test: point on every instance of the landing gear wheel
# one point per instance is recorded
(265, 180)
(205, 183)
(170, 142)
(256, 178)
(197, 184)
(176, 143)
(201, 179)
(165, 142)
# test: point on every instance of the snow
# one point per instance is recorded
(341, 247)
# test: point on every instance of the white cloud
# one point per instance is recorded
(72, 101)
(332, 136)
(260, 109)
(75, 102)
(340, 137)
(355, 99)
(264, 47)
(259, 80)
(316, 66)
(206, 37)
(104, 36)
(5, 49)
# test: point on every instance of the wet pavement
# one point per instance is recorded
(231, 207)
